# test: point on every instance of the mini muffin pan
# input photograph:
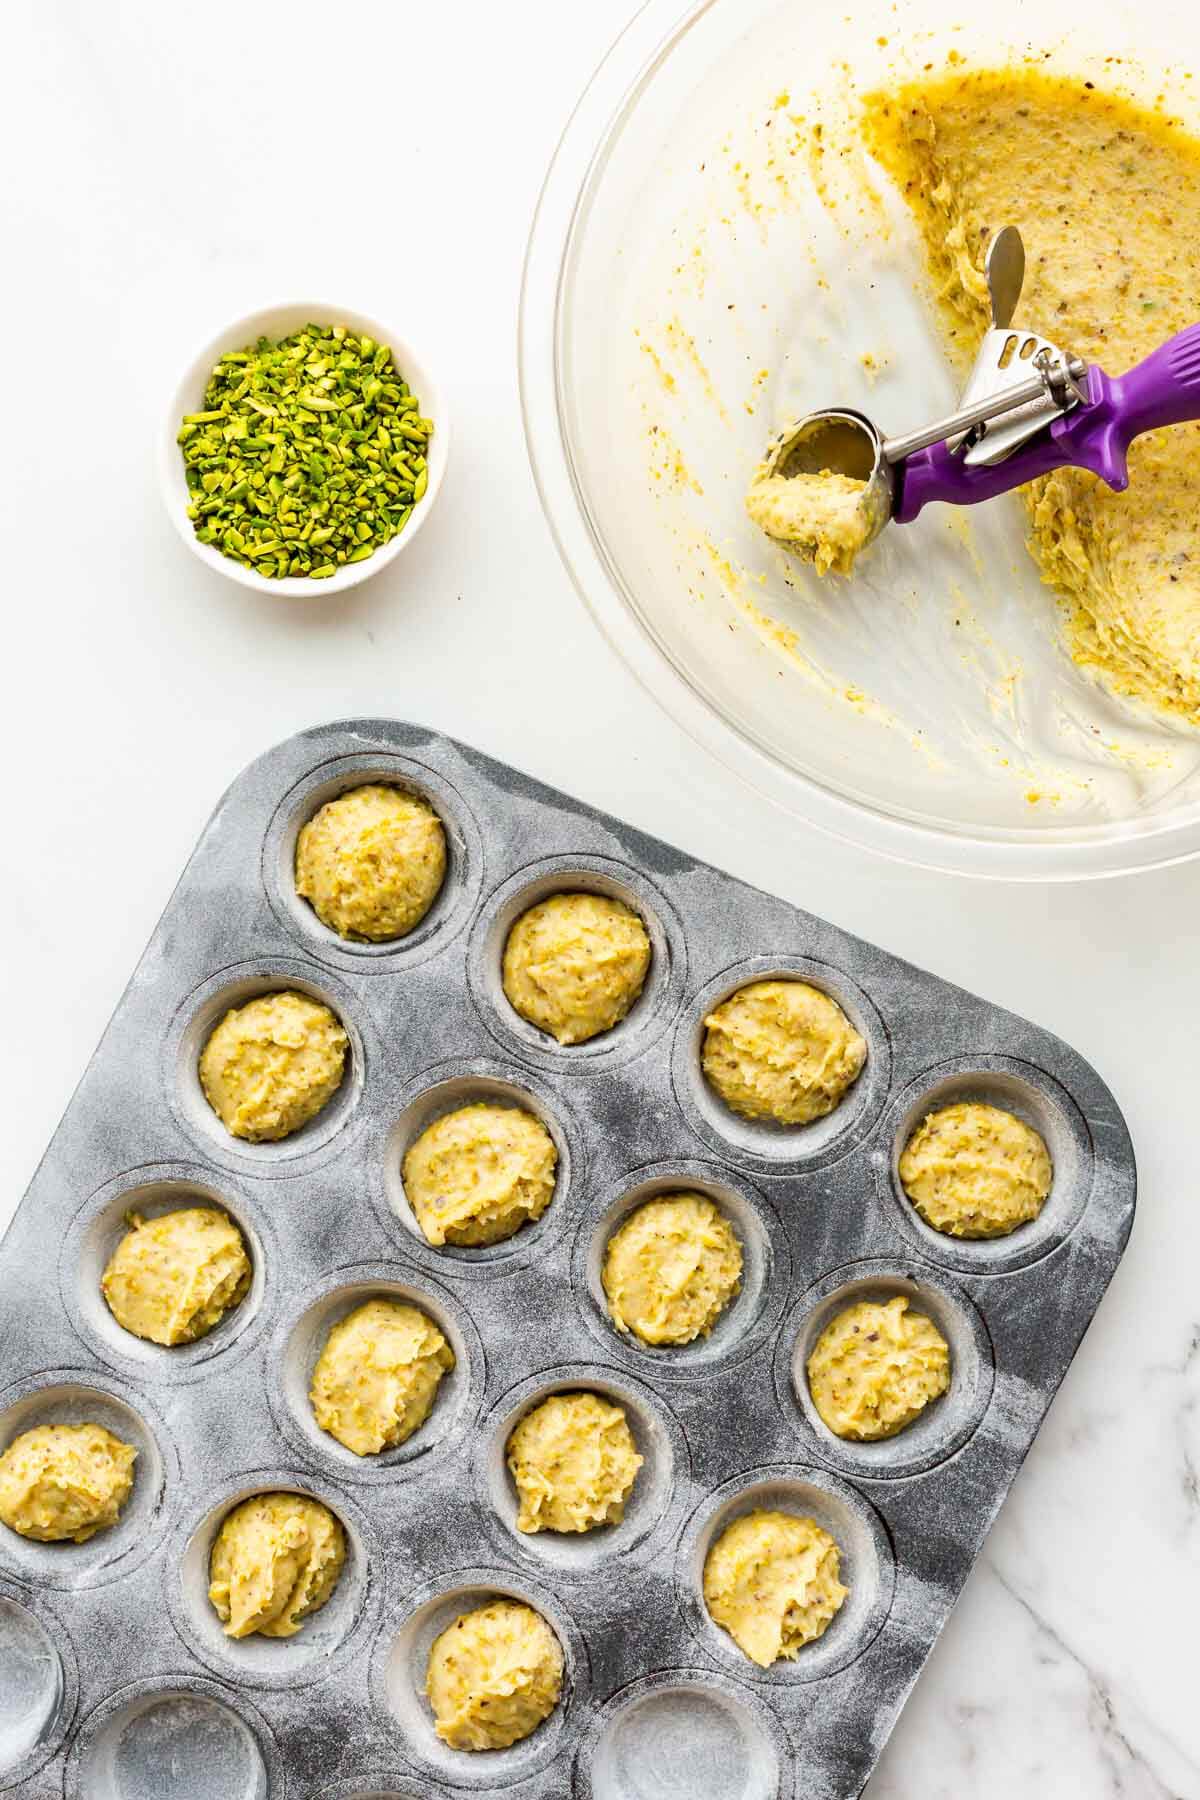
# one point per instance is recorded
(116, 1682)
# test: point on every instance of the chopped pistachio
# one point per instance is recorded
(312, 442)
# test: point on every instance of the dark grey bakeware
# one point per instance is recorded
(115, 1680)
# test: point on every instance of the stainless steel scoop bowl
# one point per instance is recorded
(842, 442)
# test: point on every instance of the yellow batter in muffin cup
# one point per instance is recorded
(671, 1269)
(478, 1174)
(378, 1374)
(372, 862)
(975, 1171)
(276, 1560)
(493, 1676)
(270, 1066)
(574, 964)
(771, 1580)
(174, 1277)
(781, 1050)
(61, 1483)
(875, 1368)
(573, 1462)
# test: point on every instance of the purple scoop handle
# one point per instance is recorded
(1164, 389)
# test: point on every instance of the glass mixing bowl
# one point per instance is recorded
(704, 267)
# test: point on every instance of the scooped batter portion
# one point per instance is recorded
(61, 1483)
(276, 1560)
(671, 1269)
(781, 1050)
(477, 1175)
(975, 1171)
(771, 1579)
(493, 1676)
(377, 1376)
(172, 1278)
(574, 964)
(875, 1368)
(271, 1065)
(372, 862)
(1107, 197)
(574, 1463)
(821, 518)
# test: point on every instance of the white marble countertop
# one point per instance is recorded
(165, 170)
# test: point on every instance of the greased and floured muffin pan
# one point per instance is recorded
(116, 1682)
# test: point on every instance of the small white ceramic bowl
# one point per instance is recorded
(277, 322)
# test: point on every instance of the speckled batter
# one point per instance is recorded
(876, 1367)
(172, 1278)
(771, 1579)
(475, 1176)
(781, 1050)
(372, 862)
(671, 1269)
(493, 1676)
(819, 517)
(377, 1375)
(271, 1065)
(574, 964)
(276, 1559)
(64, 1482)
(1107, 197)
(975, 1171)
(574, 1463)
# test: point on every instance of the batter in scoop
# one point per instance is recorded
(771, 1580)
(371, 863)
(574, 965)
(271, 1065)
(976, 1171)
(875, 1368)
(493, 1676)
(781, 1050)
(377, 1376)
(475, 1176)
(172, 1278)
(821, 518)
(671, 1269)
(64, 1482)
(574, 1463)
(276, 1559)
(1106, 195)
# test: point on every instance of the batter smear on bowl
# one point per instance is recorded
(1106, 195)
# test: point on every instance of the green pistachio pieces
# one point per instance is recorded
(308, 454)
